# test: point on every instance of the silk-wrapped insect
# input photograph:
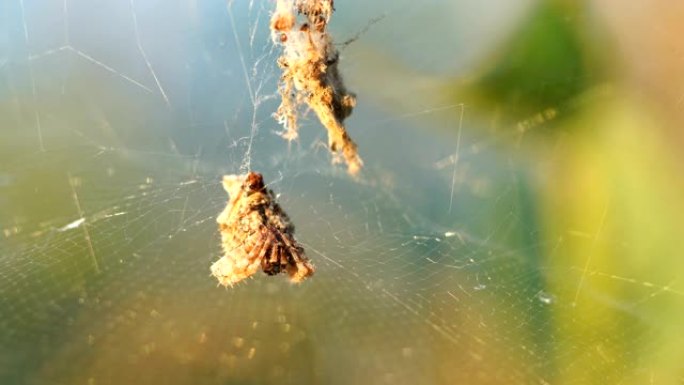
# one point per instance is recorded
(256, 234)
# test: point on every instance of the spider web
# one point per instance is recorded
(118, 120)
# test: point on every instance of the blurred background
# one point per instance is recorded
(519, 219)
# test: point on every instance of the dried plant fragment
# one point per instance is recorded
(310, 75)
(256, 234)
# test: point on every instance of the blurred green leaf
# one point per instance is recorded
(545, 65)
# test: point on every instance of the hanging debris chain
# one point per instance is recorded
(310, 75)
(255, 232)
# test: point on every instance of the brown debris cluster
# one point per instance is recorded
(310, 75)
(256, 234)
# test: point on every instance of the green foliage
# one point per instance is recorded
(546, 64)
